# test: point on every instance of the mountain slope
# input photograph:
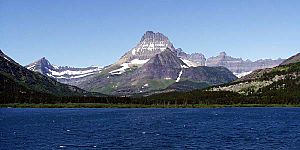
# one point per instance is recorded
(293, 59)
(22, 78)
(165, 65)
(280, 78)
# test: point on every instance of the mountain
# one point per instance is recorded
(17, 78)
(284, 78)
(293, 59)
(152, 65)
(67, 75)
(239, 66)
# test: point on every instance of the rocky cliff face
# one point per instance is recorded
(67, 75)
(238, 65)
(150, 44)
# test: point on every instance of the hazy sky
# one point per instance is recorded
(98, 32)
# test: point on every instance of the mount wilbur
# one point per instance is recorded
(154, 64)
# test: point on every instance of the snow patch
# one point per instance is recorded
(125, 66)
(139, 62)
(6, 58)
(133, 51)
(55, 67)
(50, 75)
(81, 76)
(31, 68)
(189, 63)
(150, 46)
(239, 75)
(121, 70)
(179, 76)
(67, 74)
(70, 72)
(184, 66)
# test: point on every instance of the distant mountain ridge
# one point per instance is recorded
(238, 65)
(67, 75)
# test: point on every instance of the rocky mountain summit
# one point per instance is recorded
(150, 44)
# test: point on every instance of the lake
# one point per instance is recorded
(217, 128)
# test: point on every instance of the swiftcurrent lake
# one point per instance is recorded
(213, 128)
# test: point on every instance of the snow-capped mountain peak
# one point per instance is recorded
(152, 42)
(64, 74)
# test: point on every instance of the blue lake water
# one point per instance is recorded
(224, 128)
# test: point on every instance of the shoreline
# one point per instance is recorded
(102, 105)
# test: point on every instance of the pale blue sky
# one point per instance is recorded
(98, 32)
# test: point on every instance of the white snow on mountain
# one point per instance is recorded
(189, 63)
(139, 62)
(179, 76)
(31, 67)
(150, 46)
(59, 72)
(55, 67)
(70, 72)
(6, 58)
(239, 75)
(125, 66)
(121, 70)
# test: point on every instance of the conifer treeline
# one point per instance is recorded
(175, 98)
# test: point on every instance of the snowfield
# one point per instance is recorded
(125, 66)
